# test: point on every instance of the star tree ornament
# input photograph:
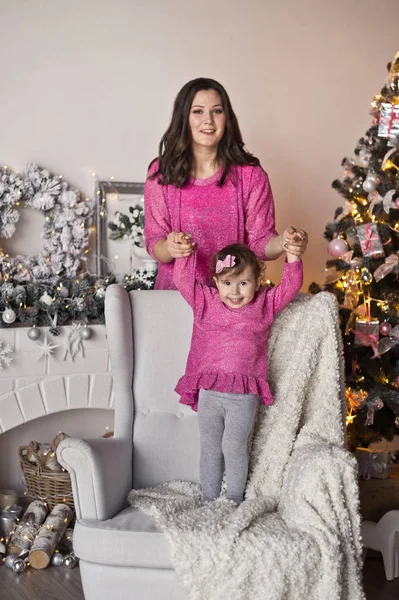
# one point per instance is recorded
(46, 348)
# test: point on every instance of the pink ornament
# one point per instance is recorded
(385, 328)
(397, 202)
(337, 247)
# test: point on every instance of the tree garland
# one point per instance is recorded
(79, 299)
(68, 216)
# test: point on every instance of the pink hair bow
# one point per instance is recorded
(228, 262)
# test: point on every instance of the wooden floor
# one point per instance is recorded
(59, 583)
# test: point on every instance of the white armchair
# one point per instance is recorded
(123, 555)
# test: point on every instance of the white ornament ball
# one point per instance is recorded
(57, 559)
(369, 185)
(70, 561)
(86, 333)
(46, 299)
(9, 316)
(34, 333)
(10, 560)
(2, 548)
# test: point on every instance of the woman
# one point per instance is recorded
(204, 182)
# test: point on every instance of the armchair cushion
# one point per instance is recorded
(131, 539)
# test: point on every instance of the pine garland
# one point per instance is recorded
(72, 299)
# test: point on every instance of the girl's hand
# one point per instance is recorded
(179, 244)
(295, 241)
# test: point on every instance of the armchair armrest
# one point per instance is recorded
(101, 474)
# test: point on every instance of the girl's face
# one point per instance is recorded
(207, 119)
(236, 291)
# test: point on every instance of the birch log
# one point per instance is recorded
(50, 534)
(27, 527)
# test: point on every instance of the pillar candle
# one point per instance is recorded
(7, 498)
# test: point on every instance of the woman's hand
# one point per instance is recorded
(294, 241)
(179, 244)
(176, 245)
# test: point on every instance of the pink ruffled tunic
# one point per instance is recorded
(228, 350)
(242, 210)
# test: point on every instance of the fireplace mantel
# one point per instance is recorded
(34, 385)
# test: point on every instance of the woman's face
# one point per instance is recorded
(207, 119)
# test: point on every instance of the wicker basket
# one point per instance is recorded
(43, 484)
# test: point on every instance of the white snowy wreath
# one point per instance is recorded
(67, 218)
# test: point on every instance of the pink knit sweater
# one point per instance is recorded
(229, 346)
(242, 210)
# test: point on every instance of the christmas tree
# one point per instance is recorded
(364, 271)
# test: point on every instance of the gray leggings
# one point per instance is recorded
(225, 422)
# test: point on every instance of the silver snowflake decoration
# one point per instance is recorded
(5, 358)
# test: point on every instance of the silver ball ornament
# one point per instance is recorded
(10, 560)
(18, 566)
(366, 276)
(374, 177)
(57, 559)
(9, 316)
(100, 294)
(86, 333)
(70, 561)
(369, 185)
(34, 333)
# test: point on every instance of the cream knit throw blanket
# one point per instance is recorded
(297, 534)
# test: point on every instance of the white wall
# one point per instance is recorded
(89, 85)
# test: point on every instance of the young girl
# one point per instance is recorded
(226, 371)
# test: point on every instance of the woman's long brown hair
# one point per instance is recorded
(175, 160)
